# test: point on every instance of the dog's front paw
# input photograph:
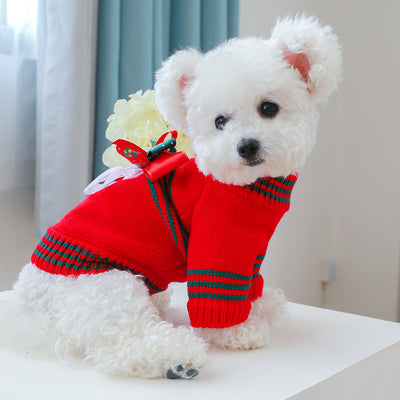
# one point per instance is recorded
(271, 306)
(253, 333)
(181, 371)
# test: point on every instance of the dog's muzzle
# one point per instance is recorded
(249, 150)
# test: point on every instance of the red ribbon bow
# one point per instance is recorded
(157, 162)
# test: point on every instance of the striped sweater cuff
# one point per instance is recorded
(207, 313)
(218, 299)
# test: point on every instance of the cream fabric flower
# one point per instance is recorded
(138, 121)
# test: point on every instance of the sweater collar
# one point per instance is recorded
(277, 191)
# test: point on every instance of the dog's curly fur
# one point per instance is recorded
(110, 318)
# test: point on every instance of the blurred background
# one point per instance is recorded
(64, 64)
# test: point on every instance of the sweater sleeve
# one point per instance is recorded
(229, 234)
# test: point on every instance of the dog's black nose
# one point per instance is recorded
(248, 148)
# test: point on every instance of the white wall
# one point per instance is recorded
(346, 203)
(368, 167)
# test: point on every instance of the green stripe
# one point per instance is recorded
(256, 270)
(223, 274)
(71, 247)
(184, 232)
(61, 263)
(229, 286)
(269, 184)
(257, 265)
(170, 179)
(275, 187)
(153, 192)
(172, 223)
(68, 246)
(284, 181)
(169, 216)
(269, 194)
(147, 282)
(183, 229)
(214, 296)
(60, 253)
(55, 261)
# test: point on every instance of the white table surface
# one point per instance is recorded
(315, 354)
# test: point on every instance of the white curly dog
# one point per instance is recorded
(249, 108)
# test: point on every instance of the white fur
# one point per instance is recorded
(232, 80)
(305, 35)
(254, 333)
(126, 335)
(110, 318)
(171, 73)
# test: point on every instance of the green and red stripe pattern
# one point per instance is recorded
(218, 285)
(161, 193)
(278, 190)
(257, 265)
(68, 259)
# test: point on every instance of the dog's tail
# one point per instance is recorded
(18, 327)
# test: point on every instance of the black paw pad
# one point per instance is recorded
(172, 375)
(191, 373)
(181, 372)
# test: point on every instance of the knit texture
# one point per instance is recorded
(183, 227)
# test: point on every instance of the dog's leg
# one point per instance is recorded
(111, 319)
(255, 331)
(271, 305)
(162, 300)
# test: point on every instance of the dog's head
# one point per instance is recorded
(250, 105)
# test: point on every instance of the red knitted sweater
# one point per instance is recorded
(183, 227)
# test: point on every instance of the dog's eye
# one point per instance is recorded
(268, 109)
(220, 122)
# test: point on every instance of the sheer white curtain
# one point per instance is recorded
(47, 59)
(67, 36)
(17, 93)
(17, 134)
(59, 103)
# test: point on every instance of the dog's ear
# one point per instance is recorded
(313, 50)
(172, 79)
